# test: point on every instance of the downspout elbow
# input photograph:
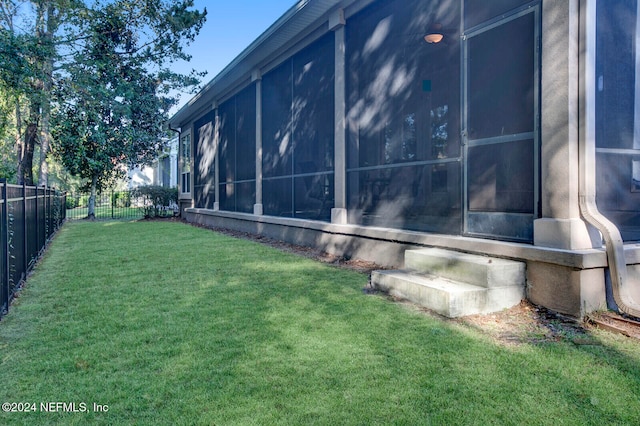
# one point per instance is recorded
(616, 261)
(614, 245)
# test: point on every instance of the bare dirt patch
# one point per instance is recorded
(528, 323)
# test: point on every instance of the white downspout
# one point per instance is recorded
(585, 48)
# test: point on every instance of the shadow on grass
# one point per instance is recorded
(349, 350)
(166, 322)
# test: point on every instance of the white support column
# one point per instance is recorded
(192, 150)
(216, 143)
(561, 225)
(339, 212)
(256, 76)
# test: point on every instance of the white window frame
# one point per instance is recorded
(185, 164)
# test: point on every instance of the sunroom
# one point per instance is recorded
(506, 128)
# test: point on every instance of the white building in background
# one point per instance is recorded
(163, 171)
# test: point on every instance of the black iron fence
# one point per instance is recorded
(144, 202)
(29, 217)
(108, 205)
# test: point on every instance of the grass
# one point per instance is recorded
(170, 324)
(106, 212)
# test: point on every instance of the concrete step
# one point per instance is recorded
(483, 271)
(449, 298)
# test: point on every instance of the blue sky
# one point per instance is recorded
(231, 26)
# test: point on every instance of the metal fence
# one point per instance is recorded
(132, 204)
(29, 217)
(109, 205)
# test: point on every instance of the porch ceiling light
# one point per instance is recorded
(435, 34)
(433, 38)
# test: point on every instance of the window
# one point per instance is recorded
(185, 164)
(165, 171)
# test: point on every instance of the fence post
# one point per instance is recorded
(56, 203)
(5, 246)
(52, 196)
(47, 214)
(37, 222)
(46, 217)
(47, 192)
(112, 202)
(62, 203)
(25, 228)
(43, 219)
(63, 207)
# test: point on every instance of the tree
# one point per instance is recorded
(7, 151)
(107, 124)
(14, 71)
(49, 45)
(113, 101)
(29, 53)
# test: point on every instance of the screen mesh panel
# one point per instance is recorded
(237, 151)
(404, 117)
(298, 134)
(227, 145)
(501, 177)
(501, 90)
(277, 121)
(618, 115)
(479, 11)
(277, 197)
(420, 198)
(245, 120)
(204, 162)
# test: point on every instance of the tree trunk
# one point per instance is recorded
(45, 144)
(51, 27)
(26, 165)
(91, 214)
(19, 143)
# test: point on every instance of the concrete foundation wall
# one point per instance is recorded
(183, 205)
(567, 281)
(385, 253)
(633, 279)
(566, 290)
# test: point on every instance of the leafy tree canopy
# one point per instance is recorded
(112, 101)
(95, 74)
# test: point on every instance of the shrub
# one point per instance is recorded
(158, 201)
(72, 202)
(83, 201)
(121, 199)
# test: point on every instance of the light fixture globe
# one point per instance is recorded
(433, 38)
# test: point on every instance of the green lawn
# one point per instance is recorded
(106, 212)
(170, 324)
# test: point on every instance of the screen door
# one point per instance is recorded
(500, 126)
